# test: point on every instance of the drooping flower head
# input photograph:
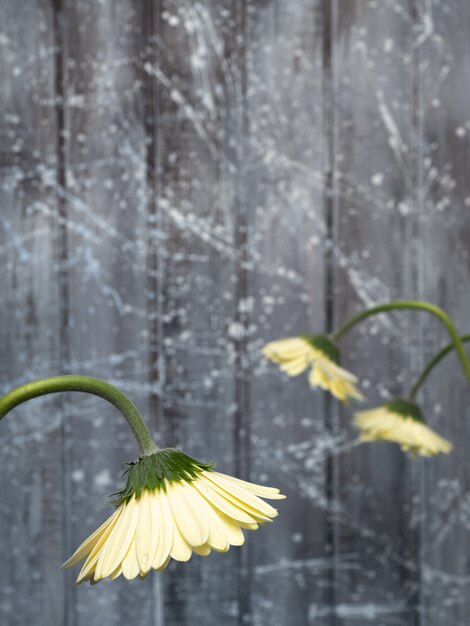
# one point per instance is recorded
(171, 506)
(401, 421)
(296, 354)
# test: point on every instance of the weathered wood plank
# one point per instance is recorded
(31, 515)
(283, 187)
(373, 229)
(195, 74)
(106, 217)
(443, 251)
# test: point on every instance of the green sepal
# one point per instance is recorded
(325, 345)
(151, 471)
(406, 408)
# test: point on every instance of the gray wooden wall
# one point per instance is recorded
(181, 181)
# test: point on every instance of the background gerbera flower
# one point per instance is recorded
(296, 354)
(402, 422)
(172, 506)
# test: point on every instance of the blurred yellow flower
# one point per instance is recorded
(172, 506)
(295, 354)
(401, 421)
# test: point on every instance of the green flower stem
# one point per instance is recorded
(85, 384)
(437, 358)
(416, 305)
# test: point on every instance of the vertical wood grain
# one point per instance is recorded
(31, 513)
(285, 193)
(195, 73)
(106, 219)
(374, 229)
(442, 35)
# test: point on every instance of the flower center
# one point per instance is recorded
(152, 471)
(406, 409)
(323, 345)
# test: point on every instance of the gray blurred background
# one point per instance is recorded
(181, 182)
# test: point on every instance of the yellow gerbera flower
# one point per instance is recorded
(295, 354)
(172, 506)
(401, 421)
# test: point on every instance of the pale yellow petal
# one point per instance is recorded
(271, 493)
(247, 498)
(130, 564)
(180, 549)
(164, 565)
(217, 537)
(146, 535)
(288, 348)
(228, 496)
(204, 550)
(234, 532)
(296, 366)
(87, 546)
(117, 572)
(119, 541)
(222, 504)
(86, 579)
(161, 512)
(329, 376)
(89, 566)
(192, 525)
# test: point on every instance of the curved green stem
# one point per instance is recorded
(85, 384)
(414, 305)
(437, 358)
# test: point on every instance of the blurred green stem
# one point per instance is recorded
(416, 305)
(437, 358)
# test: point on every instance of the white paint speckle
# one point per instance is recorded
(78, 475)
(246, 305)
(404, 208)
(103, 479)
(377, 179)
(236, 330)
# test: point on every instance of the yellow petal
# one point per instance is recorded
(232, 499)
(89, 566)
(217, 537)
(130, 564)
(331, 377)
(286, 349)
(295, 366)
(202, 550)
(146, 535)
(118, 543)
(164, 565)
(87, 546)
(180, 550)
(161, 512)
(190, 522)
(220, 503)
(271, 493)
(256, 504)
(233, 530)
(117, 572)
